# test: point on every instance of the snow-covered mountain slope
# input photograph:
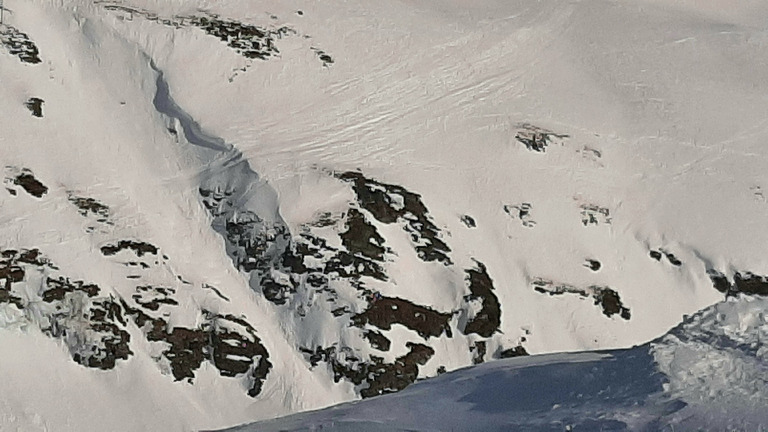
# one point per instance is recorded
(708, 373)
(220, 212)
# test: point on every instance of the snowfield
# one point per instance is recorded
(216, 213)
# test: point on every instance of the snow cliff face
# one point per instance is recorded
(247, 211)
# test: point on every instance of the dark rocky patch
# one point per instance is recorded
(522, 212)
(27, 181)
(10, 273)
(35, 106)
(253, 240)
(361, 237)
(605, 297)
(151, 297)
(673, 259)
(488, 319)
(535, 138)
(276, 291)
(89, 206)
(254, 245)
(250, 41)
(592, 214)
(378, 377)
(468, 221)
(113, 342)
(57, 289)
(377, 340)
(658, 254)
(361, 259)
(399, 375)
(139, 248)
(389, 203)
(235, 349)
(386, 311)
(185, 352)
(610, 302)
(593, 265)
(743, 283)
(324, 57)
(92, 327)
(19, 44)
(227, 342)
(517, 351)
(281, 265)
(478, 350)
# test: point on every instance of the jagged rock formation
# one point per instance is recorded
(19, 44)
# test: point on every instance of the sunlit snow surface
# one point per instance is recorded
(709, 373)
(598, 165)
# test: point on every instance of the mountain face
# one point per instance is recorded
(216, 214)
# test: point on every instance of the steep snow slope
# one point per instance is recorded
(706, 374)
(222, 212)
